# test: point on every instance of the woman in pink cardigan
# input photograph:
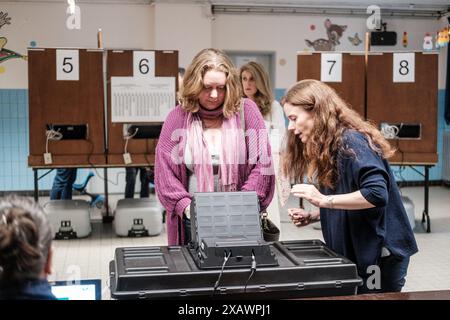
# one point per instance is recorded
(202, 147)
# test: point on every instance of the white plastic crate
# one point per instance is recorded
(138, 217)
(69, 219)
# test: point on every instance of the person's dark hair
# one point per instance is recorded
(181, 71)
(25, 240)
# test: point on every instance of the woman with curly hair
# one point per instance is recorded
(202, 147)
(344, 159)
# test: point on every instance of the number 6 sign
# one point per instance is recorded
(403, 67)
(331, 67)
(67, 65)
(144, 64)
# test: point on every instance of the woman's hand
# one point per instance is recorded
(309, 192)
(301, 217)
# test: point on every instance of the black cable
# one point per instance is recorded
(151, 170)
(252, 272)
(92, 166)
(402, 167)
(225, 259)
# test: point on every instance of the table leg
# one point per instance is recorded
(425, 214)
(36, 184)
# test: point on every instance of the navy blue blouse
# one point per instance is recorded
(360, 235)
(31, 290)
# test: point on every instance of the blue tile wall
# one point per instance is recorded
(14, 142)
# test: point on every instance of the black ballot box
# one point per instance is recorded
(306, 268)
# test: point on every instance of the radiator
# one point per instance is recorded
(446, 158)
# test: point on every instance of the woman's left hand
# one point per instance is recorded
(309, 192)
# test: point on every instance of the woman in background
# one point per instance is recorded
(256, 86)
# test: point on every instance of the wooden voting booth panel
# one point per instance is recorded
(406, 103)
(66, 102)
(120, 64)
(351, 88)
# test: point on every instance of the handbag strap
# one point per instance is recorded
(241, 114)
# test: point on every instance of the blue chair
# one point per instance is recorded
(97, 200)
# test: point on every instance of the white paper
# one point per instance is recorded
(141, 100)
(404, 67)
(144, 64)
(67, 65)
(331, 67)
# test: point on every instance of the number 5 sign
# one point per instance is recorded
(403, 67)
(67, 65)
(144, 64)
(331, 67)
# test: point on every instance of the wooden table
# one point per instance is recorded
(426, 175)
(416, 295)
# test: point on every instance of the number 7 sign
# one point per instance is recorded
(331, 67)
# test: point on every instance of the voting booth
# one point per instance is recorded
(66, 107)
(397, 91)
(142, 89)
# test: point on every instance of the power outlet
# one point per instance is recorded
(127, 158)
(48, 158)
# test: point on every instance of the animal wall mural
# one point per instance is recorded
(334, 34)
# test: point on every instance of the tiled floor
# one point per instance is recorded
(429, 269)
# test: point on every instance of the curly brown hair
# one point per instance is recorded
(317, 158)
(204, 61)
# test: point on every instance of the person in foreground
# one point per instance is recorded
(202, 147)
(344, 159)
(25, 250)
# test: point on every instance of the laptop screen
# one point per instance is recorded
(77, 290)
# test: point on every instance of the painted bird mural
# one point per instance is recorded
(6, 54)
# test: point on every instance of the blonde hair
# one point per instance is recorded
(332, 116)
(204, 61)
(264, 96)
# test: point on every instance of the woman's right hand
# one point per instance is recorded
(301, 217)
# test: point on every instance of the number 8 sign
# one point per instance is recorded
(403, 67)
(67, 65)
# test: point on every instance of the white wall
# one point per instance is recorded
(286, 36)
(124, 26)
(187, 28)
(183, 27)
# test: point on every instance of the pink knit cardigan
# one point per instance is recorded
(171, 180)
